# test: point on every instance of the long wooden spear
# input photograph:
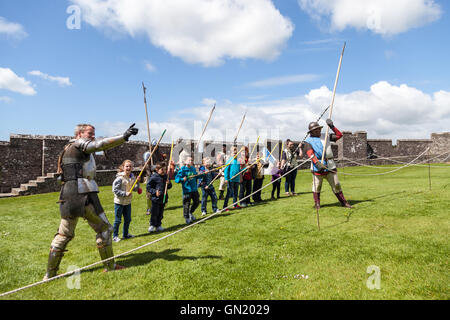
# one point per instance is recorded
(146, 162)
(206, 124)
(253, 163)
(239, 129)
(167, 181)
(148, 124)
(224, 166)
(332, 102)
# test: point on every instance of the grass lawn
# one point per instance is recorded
(268, 251)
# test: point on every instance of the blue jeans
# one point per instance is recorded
(120, 210)
(209, 192)
(232, 191)
(290, 181)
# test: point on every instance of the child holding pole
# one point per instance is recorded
(122, 199)
(276, 173)
(207, 187)
(190, 189)
(156, 188)
(233, 178)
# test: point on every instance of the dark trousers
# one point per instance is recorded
(276, 187)
(120, 210)
(244, 191)
(289, 183)
(189, 209)
(210, 192)
(257, 184)
(232, 191)
(157, 212)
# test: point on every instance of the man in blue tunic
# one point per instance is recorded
(313, 148)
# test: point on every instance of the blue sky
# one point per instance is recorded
(275, 60)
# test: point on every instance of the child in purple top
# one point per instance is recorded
(276, 173)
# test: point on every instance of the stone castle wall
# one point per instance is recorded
(26, 157)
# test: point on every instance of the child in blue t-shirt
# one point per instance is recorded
(189, 186)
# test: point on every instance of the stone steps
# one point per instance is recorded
(31, 187)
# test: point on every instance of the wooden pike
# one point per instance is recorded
(239, 129)
(148, 160)
(167, 181)
(206, 124)
(148, 123)
(332, 101)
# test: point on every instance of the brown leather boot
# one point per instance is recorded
(342, 200)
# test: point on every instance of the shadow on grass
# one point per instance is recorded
(143, 258)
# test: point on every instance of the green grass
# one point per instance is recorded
(260, 252)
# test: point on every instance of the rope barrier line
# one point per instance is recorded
(147, 244)
(389, 158)
(420, 164)
(383, 173)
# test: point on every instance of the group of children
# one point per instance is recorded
(238, 174)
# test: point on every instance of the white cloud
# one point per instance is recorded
(12, 82)
(62, 81)
(149, 67)
(385, 17)
(208, 101)
(5, 99)
(383, 111)
(284, 80)
(12, 29)
(198, 31)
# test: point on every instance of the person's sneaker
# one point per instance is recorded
(216, 211)
(288, 194)
(192, 217)
(188, 221)
(243, 205)
(160, 228)
(116, 239)
(203, 213)
(148, 212)
(151, 229)
(225, 210)
(347, 205)
(237, 206)
(128, 236)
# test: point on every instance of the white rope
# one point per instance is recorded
(383, 173)
(420, 164)
(147, 244)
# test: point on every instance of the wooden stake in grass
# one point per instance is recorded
(317, 209)
(429, 174)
